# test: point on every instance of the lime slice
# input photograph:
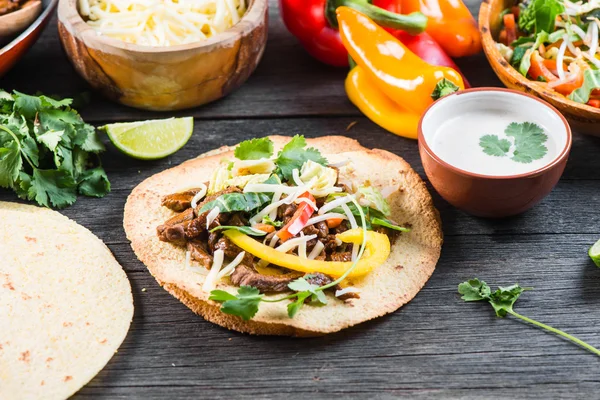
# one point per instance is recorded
(595, 253)
(149, 140)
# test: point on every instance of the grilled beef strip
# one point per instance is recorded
(343, 257)
(231, 250)
(248, 276)
(173, 230)
(179, 201)
(320, 279)
(198, 252)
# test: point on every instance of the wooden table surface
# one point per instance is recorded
(434, 347)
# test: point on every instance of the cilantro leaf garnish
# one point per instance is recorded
(503, 301)
(268, 221)
(529, 140)
(494, 146)
(44, 151)
(244, 304)
(294, 154)
(443, 88)
(254, 149)
(247, 230)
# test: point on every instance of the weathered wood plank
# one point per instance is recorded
(287, 82)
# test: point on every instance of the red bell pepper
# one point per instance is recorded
(314, 23)
(298, 221)
(428, 50)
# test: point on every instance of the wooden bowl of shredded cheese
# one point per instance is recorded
(163, 54)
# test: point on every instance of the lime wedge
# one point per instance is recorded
(149, 140)
(595, 253)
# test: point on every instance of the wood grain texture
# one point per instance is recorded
(435, 347)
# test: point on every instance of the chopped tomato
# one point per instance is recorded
(264, 227)
(334, 222)
(567, 87)
(299, 219)
(502, 37)
(594, 103)
(539, 70)
(552, 66)
(510, 27)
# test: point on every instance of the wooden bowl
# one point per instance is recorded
(18, 20)
(583, 118)
(165, 78)
(16, 48)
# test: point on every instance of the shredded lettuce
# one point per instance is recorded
(540, 38)
(591, 81)
(540, 16)
(373, 196)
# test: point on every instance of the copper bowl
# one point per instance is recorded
(165, 78)
(16, 48)
(583, 118)
(490, 195)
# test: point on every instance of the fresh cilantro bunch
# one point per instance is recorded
(45, 150)
(293, 155)
(529, 141)
(503, 300)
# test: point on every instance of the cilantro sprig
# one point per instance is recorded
(293, 155)
(503, 300)
(528, 138)
(45, 151)
(246, 302)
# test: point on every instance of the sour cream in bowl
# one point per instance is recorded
(493, 152)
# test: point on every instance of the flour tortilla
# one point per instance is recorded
(412, 260)
(65, 304)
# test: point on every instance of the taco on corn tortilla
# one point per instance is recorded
(287, 236)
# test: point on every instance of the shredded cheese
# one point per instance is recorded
(293, 243)
(228, 270)
(316, 251)
(302, 248)
(353, 225)
(561, 56)
(343, 291)
(324, 217)
(161, 22)
(212, 215)
(200, 195)
(335, 203)
(211, 279)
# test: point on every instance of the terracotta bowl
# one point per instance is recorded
(17, 47)
(583, 118)
(165, 78)
(491, 195)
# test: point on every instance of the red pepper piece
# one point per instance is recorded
(314, 23)
(299, 219)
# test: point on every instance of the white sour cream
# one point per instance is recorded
(454, 127)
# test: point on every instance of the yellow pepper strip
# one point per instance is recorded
(377, 251)
(398, 72)
(379, 108)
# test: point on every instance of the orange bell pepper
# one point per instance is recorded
(539, 69)
(372, 102)
(450, 23)
(400, 74)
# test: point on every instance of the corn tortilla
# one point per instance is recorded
(412, 260)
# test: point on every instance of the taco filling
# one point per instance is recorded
(289, 222)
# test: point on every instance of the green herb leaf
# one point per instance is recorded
(231, 202)
(529, 141)
(254, 149)
(221, 296)
(294, 154)
(267, 220)
(474, 290)
(388, 224)
(503, 301)
(39, 131)
(591, 81)
(517, 57)
(295, 306)
(494, 146)
(244, 229)
(540, 15)
(443, 88)
(244, 304)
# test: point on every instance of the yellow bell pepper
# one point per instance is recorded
(394, 69)
(379, 108)
(377, 251)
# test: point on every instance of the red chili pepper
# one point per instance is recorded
(299, 219)
(428, 50)
(314, 23)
